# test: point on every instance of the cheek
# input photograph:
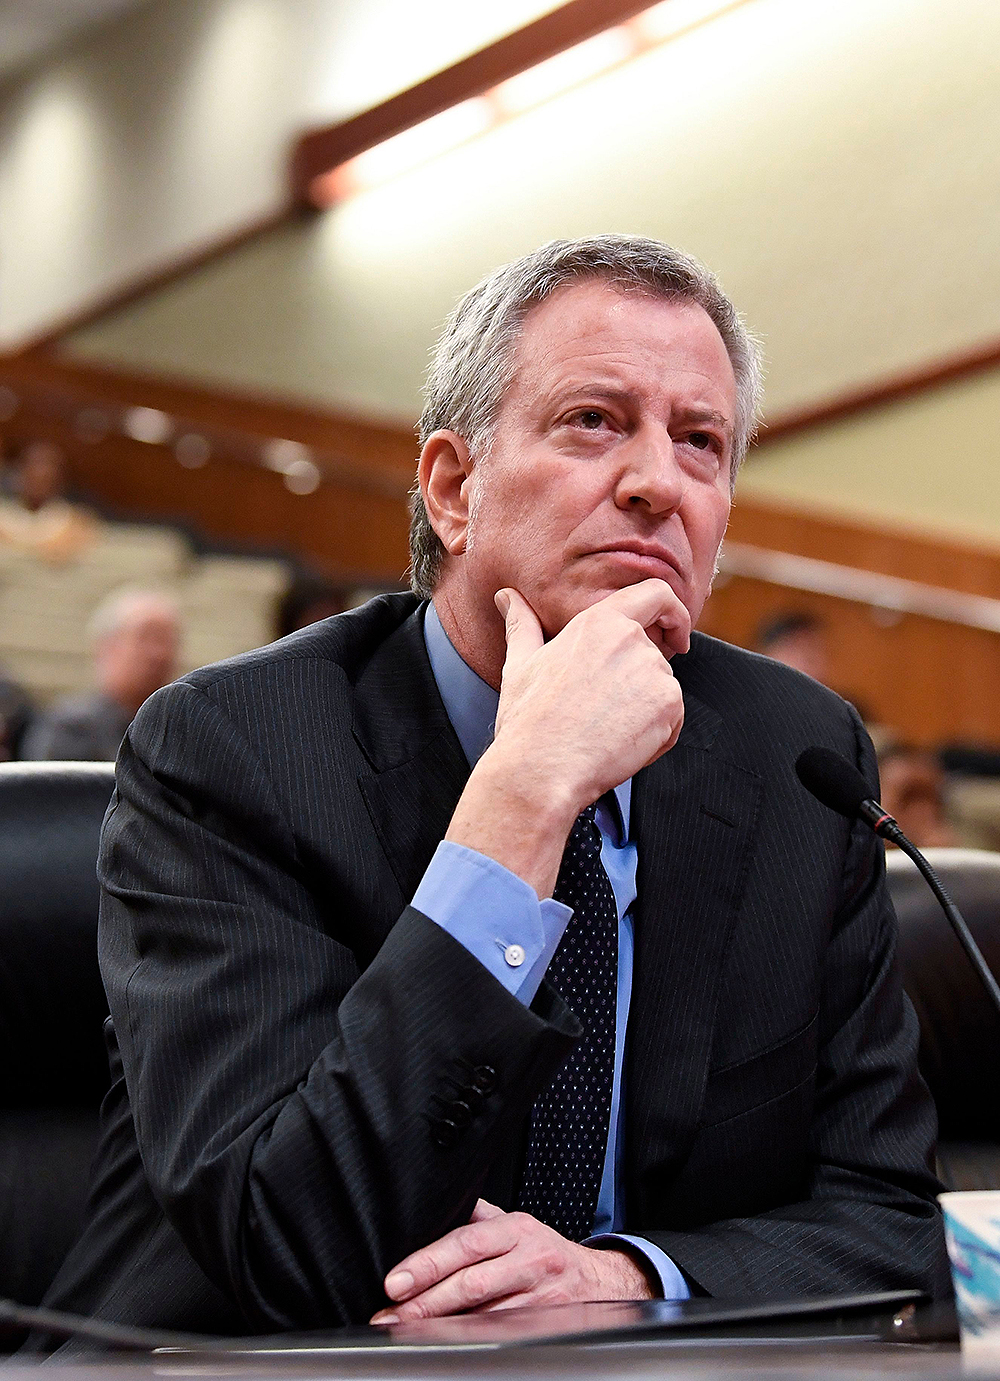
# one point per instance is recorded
(514, 514)
(711, 528)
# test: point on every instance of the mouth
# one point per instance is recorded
(646, 559)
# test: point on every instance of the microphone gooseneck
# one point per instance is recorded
(839, 785)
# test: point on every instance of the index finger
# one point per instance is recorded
(654, 602)
(477, 1241)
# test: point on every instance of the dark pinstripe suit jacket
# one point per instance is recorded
(291, 1032)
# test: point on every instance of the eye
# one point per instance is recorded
(701, 440)
(589, 418)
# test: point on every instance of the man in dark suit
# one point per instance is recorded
(407, 1003)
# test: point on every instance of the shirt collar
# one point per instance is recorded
(471, 703)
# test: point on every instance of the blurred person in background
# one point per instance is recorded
(136, 636)
(39, 518)
(798, 640)
(308, 599)
(16, 711)
(913, 792)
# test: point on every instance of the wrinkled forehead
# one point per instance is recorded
(596, 328)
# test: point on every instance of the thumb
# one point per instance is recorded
(522, 629)
(484, 1210)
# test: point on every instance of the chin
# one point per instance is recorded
(555, 614)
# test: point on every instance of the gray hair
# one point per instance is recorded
(473, 363)
(118, 609)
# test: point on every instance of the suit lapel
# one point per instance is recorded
(694, 820)
(418, 769)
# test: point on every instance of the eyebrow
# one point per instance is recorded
(696, 414)
(616, 393)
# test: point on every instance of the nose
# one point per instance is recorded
(650, 477)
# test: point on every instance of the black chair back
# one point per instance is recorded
(53, 1065)
(959, 1028)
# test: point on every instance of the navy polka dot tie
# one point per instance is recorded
(568, 1135)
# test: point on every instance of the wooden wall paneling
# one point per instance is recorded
(354, 525)
(377, 446)
(909, 553)
(928, 680)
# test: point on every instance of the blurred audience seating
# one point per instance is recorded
(959, 1028)
(228, 603)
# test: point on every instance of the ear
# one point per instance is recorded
(443, 469)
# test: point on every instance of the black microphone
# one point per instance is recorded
(838, 784)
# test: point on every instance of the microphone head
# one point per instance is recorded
(833, 780)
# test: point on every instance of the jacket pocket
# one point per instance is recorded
(739, 1088)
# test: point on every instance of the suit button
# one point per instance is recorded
(473, 1099)
(484, 1078)
(461, 1112)
(444, 1133)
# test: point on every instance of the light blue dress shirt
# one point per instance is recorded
(498, 917)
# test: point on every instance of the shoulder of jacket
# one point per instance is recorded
(714, 669)
(344, 643)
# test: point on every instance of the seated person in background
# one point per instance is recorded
(479, 947)
(135, 636)
(308, 599)
(40, 518)
(799, 640)
(15, 716)
(913, 792)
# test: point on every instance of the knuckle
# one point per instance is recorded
(476, 1287)
(550, 1262)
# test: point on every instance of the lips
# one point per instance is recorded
(645, 558)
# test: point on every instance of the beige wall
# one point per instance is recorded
(835, 162)
(172, 126)
(832, 161)
(929, 462)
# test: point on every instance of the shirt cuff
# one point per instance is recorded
(495, 914)
(672, 1283)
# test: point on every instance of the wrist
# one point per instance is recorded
(628, 1274)
(515, 816)
(529, 787)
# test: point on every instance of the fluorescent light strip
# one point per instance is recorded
(403, 152)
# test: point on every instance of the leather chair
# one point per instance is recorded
(959, 1028)
(53, 1064)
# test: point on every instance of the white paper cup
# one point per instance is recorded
(972, 1229)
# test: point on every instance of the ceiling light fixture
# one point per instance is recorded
(467, 120)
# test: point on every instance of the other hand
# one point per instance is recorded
(502, 1261)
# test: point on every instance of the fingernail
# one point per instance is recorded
(386, 1318)
(502, 601)
(398, 1283)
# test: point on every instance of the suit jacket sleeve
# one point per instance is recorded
(298, 1119)
(868, 1219)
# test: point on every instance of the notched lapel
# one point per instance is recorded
(418, 769)
(695, 816)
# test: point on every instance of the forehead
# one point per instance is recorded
(143, 618)
(589, 331)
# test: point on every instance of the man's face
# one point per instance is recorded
(612, 456)
(140, 656)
